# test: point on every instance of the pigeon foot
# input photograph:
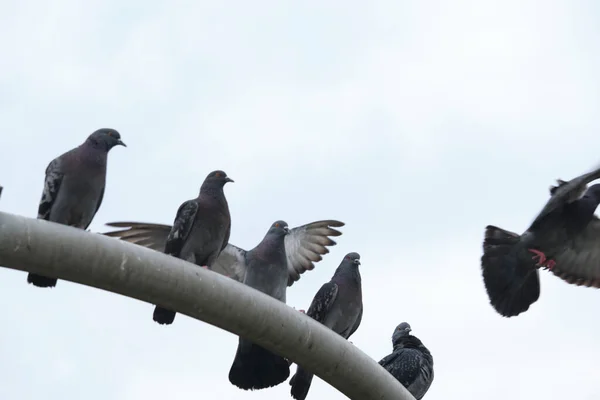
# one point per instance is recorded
(542, 260)
(204, 266)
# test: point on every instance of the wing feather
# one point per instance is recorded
(153, 236)
(578, 262)
(566, 192)
(52, 182)
(231, 262)
(306, 244)
(322, 302)
(182, 226)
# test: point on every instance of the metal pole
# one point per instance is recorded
(117, 266)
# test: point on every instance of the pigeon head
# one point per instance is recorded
(352, 258)
(105, 139)
(401, 331)
(279, 228)
(217, 178)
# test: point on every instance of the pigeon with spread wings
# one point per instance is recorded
(564, 238)
(304, 246)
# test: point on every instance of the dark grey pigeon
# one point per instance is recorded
(410, 362)
(337, 305)
(200, 231)
(564, 238)
(254, 367)
(74, 186)
(304, 246)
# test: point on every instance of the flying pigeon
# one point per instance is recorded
(74, 186)
(564, 238)
(410, 362)
(337, 305)
(304, 246)
(200, 231)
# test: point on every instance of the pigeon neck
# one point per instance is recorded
(407, 342)
(92, 155)
(345, 271)
(271, 247)
(215, 192)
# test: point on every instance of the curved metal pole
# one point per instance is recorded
(95, 260)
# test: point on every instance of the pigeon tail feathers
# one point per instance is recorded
(512, 286)
(256, 368)
(41, 281)
(163, 316)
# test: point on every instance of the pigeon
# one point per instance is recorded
(564, 238)
(337, 305)
(304, 246)
(74, 187)
(200, 231)
(410, 362)
(254, 367)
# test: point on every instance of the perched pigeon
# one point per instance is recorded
(200, 231)
(564, 238)
(304, 246)
(254, 367)
(337, 305)
(74, 186)
(277, 262)
(410, 362)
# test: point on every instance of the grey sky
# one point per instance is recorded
(416, 123)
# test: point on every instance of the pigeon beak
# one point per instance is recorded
(286, 230)
(228, 179)
(121, 143)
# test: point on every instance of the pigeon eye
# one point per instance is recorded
(277, 225)
(218, 174)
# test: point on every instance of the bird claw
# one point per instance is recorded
(541, 259)
(204, 266)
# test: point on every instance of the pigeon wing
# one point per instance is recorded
(578, 262)
(182, 226)
(52, 182)
(306, 245)
(153, 236)
(566, 192)
(322, 302)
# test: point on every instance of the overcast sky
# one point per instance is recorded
(417, 123)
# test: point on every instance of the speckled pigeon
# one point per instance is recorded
(337, 305)
(200, 231)
(304, 246)
(74, 186)
(410, 363)
(564, 238)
